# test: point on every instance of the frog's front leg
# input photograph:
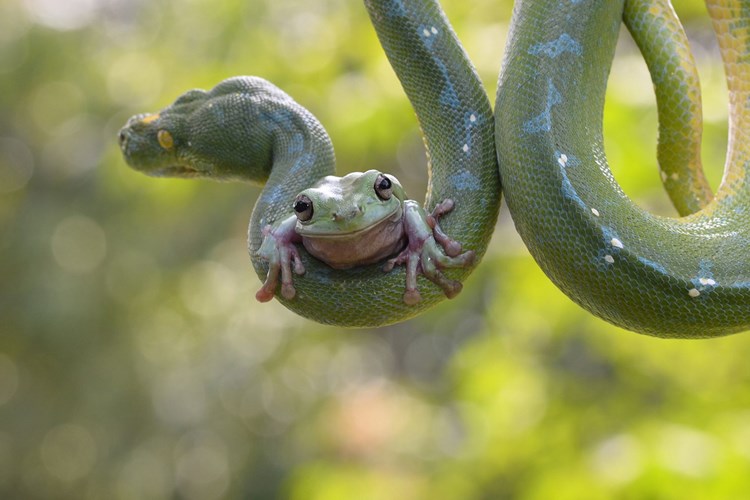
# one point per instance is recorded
(429, 250)
(279, 250)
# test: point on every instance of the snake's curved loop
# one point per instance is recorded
(687, 277)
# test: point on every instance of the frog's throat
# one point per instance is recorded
(394, 216)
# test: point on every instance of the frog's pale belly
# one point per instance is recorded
(363, 247)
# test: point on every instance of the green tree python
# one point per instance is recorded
(668, 277)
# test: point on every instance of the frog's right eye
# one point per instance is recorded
(383, 187)
(303, 208)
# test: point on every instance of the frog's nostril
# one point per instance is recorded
(348, 213)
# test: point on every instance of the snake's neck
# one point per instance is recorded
(247, 129)
(301, 148)
(300, 154)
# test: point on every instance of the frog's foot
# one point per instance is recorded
(451, 246)
(428, 251)
(279, 251)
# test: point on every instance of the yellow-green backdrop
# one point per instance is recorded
(136, 364)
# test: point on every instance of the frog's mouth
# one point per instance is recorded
(393, 218)
(364, 246)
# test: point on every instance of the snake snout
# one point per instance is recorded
(122, 138)
(129, 141)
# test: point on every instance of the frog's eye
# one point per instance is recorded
(303, 208)
(165, 139)
(383, 187)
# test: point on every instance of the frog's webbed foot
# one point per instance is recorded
(428, 251)
(279, 250)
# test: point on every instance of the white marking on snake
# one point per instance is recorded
(609, 259)
(434, 30)
(466, 148)
(693, 292)
(595, 212)
(563, 160)
(707, 282)
(675, 176)
(616, 243)
(473, 118)
(426, 32)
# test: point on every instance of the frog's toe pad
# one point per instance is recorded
(412, 297)
(288, 291)
(264, 294)
(452, 248)
(452, 289)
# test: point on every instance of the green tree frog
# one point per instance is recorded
(359, 219)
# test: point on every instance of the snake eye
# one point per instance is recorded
(303, 208)
(165, 139)
(383, 187)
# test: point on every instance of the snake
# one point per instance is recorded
(671, 277)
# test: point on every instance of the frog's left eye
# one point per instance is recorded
(303, 208)
(383, 187)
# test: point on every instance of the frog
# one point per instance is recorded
(360, 219)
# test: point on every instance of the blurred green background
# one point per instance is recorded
(136, 364)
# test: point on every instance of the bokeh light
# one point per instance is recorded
(78, 244)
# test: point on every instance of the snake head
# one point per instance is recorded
(226, 133)
(158, 144)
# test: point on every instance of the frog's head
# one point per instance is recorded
(344, 206)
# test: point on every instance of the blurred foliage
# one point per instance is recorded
(135, 364)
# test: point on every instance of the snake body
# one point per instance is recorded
(669, 277)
